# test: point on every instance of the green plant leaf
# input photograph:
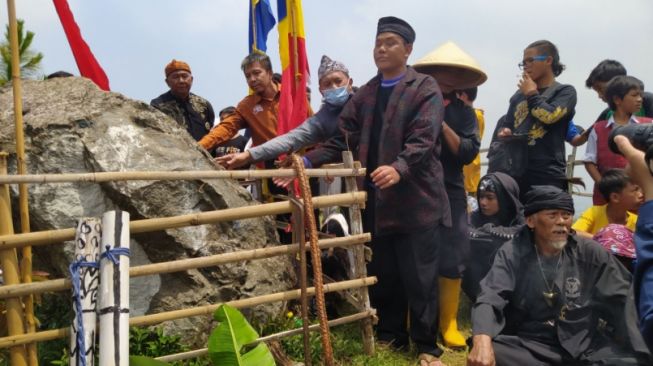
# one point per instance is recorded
(259, 355)
(229, 337)
(145, 361)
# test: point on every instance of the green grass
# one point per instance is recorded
(348, 347)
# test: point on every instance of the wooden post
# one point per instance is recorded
(85, 279)
(26, 261)
(299, 236)
(570, 169)
(114, 289)
(356, 228)
(11, 274)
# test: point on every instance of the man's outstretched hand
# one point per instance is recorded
(233, 161)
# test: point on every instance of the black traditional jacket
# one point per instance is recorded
(591, 289)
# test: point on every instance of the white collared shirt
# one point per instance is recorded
(591, 149)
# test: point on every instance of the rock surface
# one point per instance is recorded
(72, 127)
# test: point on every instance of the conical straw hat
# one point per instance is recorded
(447, 56)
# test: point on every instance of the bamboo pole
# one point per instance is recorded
(173, 222)
(85, 275)
(26, 261)
(252, 24)
(206, 310)
(288, 333)
(113, 296)
(293, 35)
(101, 177)
(11, 273)
(359, 258)
(300, 236)
(62, 284)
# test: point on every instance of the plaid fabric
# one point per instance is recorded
(409, 143)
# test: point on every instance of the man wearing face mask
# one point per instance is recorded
(336, 89)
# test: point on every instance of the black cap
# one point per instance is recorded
(398, 26)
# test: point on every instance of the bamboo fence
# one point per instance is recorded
(206, 310)
(63, 284)
(288, 333)
(101, 177)
(174, 222)
(9, 242)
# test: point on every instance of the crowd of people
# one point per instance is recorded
(545, 290)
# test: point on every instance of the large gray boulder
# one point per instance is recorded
(72, 127)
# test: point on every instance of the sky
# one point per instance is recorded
(134, 39)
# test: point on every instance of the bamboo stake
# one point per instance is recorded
(288, 333)
(206, 310)
(62, 284)
(300, 236)
(84, 295)
(11, 273)
(359, 258)
(202, 218)
(113, 299)
(100, 177)
(26, 261)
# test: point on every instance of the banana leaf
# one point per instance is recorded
(228, 338)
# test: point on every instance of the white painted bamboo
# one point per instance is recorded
(201, 218)
(206, 310)
(85, 279)
(62, 284)
(173, 175)
(114, 290)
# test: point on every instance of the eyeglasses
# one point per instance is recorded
(529, 60)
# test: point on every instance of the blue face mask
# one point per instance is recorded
(336, 97)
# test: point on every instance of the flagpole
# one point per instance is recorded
(293, 32)
(253, 25)
(26, 261)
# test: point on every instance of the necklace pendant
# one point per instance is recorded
(549, 297)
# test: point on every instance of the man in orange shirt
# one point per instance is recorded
(257, 111)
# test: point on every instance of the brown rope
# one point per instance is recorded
(298, 165)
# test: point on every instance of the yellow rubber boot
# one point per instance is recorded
(449, 299)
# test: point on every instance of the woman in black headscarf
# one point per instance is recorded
(499, 216)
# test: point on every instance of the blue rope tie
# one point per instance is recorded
(113, 254)
(76, 282)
